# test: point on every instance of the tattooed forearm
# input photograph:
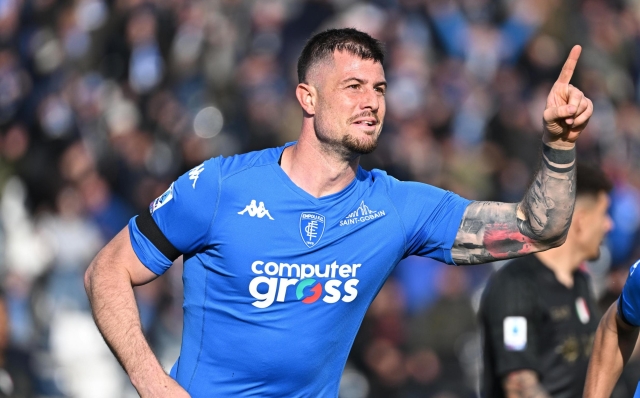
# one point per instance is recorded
(523, 384)
(546, 210)
(491, 231)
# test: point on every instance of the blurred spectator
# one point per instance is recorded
(16, 372)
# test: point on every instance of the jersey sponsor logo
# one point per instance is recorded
(316, 290)
(583, 310)
(256, 211)
(515, 333)
(161, 200)
(362, 214)
(311, 228)
(560, 313)
(273, 280)
(570, 347)
(194, 174)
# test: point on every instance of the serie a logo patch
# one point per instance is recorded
(515, 333)
(162, 200)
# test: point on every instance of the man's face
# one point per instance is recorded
(595, 223)
(350, 105)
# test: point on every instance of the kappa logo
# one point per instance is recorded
(311, 228)
(256, 211)
(362, 214)
(194, 174)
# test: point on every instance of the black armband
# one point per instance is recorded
(148, 227)
(621, 312)
(559, 160)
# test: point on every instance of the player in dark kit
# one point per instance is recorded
(538, 314)
(285, 249)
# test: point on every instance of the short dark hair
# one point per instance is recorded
(591, 180)
(323, 44)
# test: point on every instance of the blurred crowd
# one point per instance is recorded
(104, 102)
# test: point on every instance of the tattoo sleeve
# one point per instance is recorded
(492, 231)
(523, 384)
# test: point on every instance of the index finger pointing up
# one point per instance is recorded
(570, 65)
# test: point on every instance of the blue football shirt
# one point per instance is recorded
(276, 281)
(629, 301)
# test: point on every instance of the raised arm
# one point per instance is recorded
(612, 347)
(492, 231)
(109, 282)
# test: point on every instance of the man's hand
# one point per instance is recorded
(523, 383)
(165, 387)
(568, 110)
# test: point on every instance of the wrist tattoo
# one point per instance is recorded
(558, 160)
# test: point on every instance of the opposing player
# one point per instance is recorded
(615, 340)
(284, 249)
(538, 314)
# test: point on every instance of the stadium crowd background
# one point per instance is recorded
(104, 102)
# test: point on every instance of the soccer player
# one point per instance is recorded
(615, 340)
(284, 249)
(538, 314)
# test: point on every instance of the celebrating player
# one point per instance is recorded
(284, 249)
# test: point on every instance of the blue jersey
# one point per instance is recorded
(629, 301)
(276, 281)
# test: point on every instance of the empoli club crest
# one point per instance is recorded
(311, 228)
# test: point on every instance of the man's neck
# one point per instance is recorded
(563, 261)
(315, 169)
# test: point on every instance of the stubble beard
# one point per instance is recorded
(347, 146)
(361, 147)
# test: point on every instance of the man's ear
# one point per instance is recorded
(307, 96)
(578, 221)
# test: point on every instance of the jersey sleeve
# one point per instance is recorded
(629, 301)
(508, 316)
(178, 222)
(430, 216)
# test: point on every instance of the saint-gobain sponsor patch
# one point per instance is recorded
(515, 333)
(161, 200)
